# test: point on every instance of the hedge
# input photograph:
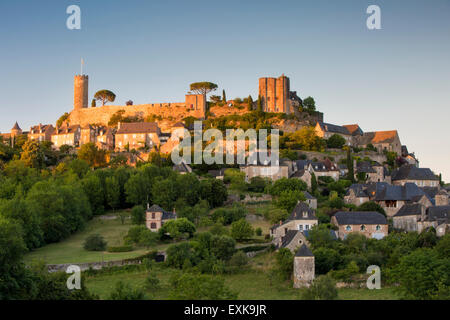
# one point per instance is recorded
(120, 249)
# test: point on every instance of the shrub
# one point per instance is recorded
(152, 282)
(322, 288)
(95, 242)
(239, 259)
(125, 292)
(241, 230)
(258, 231)
(120, 249)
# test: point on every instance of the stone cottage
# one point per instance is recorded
(304, 267)
(155, 217)
(369, 223)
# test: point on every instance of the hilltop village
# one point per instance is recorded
(340, 199)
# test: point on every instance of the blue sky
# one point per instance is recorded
(149, 51)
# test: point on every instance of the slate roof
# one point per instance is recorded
(66, 129)
(439, 213)
(43, 127)
(431, 191)
(308, 195)
(165, 214)
(359, 217)
(411, 172)
(378, 137)
(354, 129)
(359, 190)
(408, 192)
(365, 166)
(300, 208)
(138, 127)
(304, 252)
(16, 127)
(301, 164)
(328, 127)
(217, 173)
(409, 209)
(290, 234)
(182, 167)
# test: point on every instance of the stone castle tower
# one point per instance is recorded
(274, 93)
(303, 267)
(80, 92)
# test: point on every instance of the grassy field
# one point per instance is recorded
(71, 249)
(252, 284)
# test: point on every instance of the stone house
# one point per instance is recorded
(408, 217)
(438, 218)
(356, 194)
(41, 132)
(280, 169)
(422, 177)
(369, 223)
(304, 267)
(326, 130)
(302, 219)
(325, 168)
(374, 172)
(301, 171)
(105, 138)
(137, 135)
(217, 174)
(155, 217)
(66, 135)
(88, 134)
(381, 140)
(310, 200)
(292, 240)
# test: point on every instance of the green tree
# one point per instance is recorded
(351, 170)
(309, 104)
(105, 96)
(126, 292)
(224, 96)
(93, 188)
(313, 183)
(148, 238)
(138, 215)
(284, 260)
(322, 288)
(112, 192)
(93, 103)
(95, 242)
(371, 206)
(259, 107)
(241, 230)
(422, 274)
(203, 87)
(250, 103)
(92, 155)
(336, 141)
(288, 199)
(61, 119)
(32, 154)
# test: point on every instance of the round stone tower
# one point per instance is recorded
(80, 92)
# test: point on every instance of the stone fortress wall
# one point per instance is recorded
(194, 105)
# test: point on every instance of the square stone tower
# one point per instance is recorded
(274, 93)
(80, 92)
(304, 267)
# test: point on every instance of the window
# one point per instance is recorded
(363, 228)
(153, 215)
(153, 225)
(378, 228)
(300, 227)
(348, 228)
(305, 214)
(306, 226)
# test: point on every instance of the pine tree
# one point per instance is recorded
(313, 183)
(259, 105)
(250, 103)
(93, 103)
(351, 170)
(224, 96)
